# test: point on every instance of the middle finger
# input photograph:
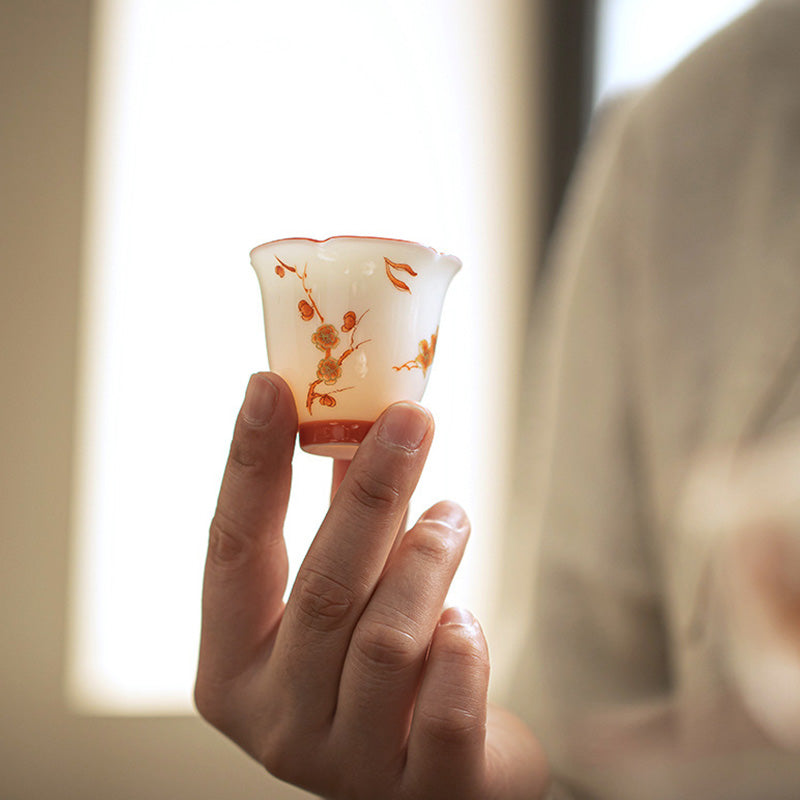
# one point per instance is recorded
(345, 562)
(388, 648)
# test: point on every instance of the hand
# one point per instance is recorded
(359, 686)
(760, 590)
(741, 515)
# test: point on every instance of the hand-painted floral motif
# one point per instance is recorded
(401, 286)
(329, 370)
(424, 358)
(325, 338)
(349, 321)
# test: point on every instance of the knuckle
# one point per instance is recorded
(374, 493)
(204, 703)
(465, 652)
(432, 543)
(454, 726)
(229, 541)
(277, 756)
(211, 703)
(246, 453)
(322, 603)
(384, 647)
(284, 752)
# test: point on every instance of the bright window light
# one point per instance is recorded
(215, 127)
(639, 41)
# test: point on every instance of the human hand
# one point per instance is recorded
(743, 507)
(359, 686)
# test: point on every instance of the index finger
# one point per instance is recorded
(346, 559)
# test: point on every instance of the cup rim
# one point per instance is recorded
(311, 240)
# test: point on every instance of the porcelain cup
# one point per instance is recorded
(351, 324)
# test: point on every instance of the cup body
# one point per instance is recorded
(351, 325)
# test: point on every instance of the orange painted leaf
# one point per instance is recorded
(404, 267)
(397, 283)
(282, 265)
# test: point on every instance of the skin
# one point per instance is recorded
(360, 685)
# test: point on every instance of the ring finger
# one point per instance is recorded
(387, 652)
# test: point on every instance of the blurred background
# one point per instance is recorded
(145, 147)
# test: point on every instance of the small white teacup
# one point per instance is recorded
(351, 325)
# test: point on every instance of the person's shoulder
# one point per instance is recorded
(752, 62)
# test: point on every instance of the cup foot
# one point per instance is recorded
(333, 438)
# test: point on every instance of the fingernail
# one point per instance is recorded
(458, 616)
(404, 425)
(259, 400)
(447, 513)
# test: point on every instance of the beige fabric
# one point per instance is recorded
(670, 327)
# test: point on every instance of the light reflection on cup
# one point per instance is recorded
(351, 324)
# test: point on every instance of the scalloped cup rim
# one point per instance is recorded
(454, 260)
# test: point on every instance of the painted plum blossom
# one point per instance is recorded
(325, 338)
